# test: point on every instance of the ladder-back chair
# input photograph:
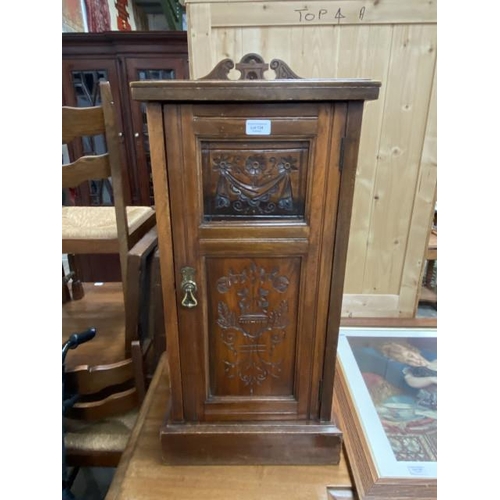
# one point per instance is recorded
(99, 229)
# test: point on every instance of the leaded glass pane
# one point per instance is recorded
(151, 74)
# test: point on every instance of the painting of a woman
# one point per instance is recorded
(401, 377)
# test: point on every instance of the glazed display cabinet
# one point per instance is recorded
(118, 57)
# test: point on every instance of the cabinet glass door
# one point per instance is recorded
(147, 69)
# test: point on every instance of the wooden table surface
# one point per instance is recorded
(141, 475)
(102, 307)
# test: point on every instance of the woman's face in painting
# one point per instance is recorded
(405, 354)
(414, 359)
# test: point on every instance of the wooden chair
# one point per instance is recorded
(120, 323)
(98, 425)
(144, 311)
(98, 229)
(428, 289)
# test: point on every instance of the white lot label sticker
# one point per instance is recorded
(258, 127)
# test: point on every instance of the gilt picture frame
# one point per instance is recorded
(385, 399)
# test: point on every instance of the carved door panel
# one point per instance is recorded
(248, 187)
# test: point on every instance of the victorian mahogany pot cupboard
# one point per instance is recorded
(253, 183)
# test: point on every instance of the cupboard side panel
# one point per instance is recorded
(156, 125)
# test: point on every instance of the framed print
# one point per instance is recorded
(386, 402)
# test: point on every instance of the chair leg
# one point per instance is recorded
(76, 285)
(68, 484)
(66, 296)
(430, 273)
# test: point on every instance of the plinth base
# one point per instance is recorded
(262, 443)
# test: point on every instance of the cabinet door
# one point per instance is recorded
(153, 68)
(251, 215)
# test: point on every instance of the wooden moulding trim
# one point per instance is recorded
(255, 90)
(239, 428)
(344, 211)
(363, 474)
(269, 443)
(369, 484)
(299, 246)
(90, 246)
(389, 322)
(160, 184)
(126, 37)
(168, 43)
(332, 124)
(237, 230)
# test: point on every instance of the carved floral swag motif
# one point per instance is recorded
(252, 336)
(255, 183)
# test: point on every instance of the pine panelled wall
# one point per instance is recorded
(394, 42)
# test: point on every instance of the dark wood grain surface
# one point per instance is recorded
(256, 90)
(253, 231)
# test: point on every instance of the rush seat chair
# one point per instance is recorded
(110, 229)
(100, 407)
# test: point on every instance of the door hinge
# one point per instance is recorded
(341, 154)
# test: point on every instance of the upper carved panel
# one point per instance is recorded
(251, 67)
(264, 181)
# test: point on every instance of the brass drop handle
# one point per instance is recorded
(188, 285)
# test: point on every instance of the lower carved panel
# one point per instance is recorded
(252, 325)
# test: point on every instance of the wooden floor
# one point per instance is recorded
(102, 307)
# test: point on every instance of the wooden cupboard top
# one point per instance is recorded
(325, 89)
